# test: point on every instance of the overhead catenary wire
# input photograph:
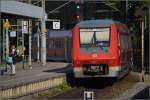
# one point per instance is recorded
(52, 11)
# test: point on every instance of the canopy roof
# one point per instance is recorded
(19, 8)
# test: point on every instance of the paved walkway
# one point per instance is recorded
(37, 72)
(136, 89)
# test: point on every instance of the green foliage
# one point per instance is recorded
(2, 65)
(116, 3)
(52, 92)
(64, 86)
(134, 36)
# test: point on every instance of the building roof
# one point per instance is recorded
(19, 8)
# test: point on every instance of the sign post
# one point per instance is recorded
(7, 26)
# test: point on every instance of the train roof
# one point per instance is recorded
(96, 23)
(66, 33)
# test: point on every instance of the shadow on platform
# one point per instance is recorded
(144, 94)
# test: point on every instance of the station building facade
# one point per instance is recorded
(18, 22)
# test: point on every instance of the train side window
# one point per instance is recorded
(49, 42)
(121, 41)
(127, 42)
(62, 44)
(59, 44)
(53, 43)
(56, 44)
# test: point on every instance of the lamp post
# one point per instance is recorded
(142, 53)
(126, 10)
(142, 44)
(38, 41)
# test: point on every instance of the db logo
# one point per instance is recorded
(94, 55)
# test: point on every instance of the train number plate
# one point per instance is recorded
(94, 67)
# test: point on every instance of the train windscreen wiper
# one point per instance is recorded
(91, 42)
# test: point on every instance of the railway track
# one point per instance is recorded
(102, 88)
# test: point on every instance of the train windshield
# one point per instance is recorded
(97, 39)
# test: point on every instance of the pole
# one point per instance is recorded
(38, 44)
(126, 9)
(4, 41)
(23, 56)
(142, 54)
(30, 32)
(0, 41)
(1, 23)
(43, 37)
(7, 41)
(0, 44)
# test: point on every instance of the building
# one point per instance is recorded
(17, 22)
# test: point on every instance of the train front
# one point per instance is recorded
(95, 52)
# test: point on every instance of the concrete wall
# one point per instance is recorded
(25, 89)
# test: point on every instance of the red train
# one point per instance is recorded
(101, 48)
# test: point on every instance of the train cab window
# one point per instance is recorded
(97, 39)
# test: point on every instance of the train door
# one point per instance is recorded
(56, 50)
(129, 50)
(59, 48)
(124, 53)
(50, 48)
(69, 48)
(122, 47)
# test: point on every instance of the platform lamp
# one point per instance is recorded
(142, 43)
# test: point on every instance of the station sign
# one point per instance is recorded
(25, 27)
(56, 25)
(13, 34)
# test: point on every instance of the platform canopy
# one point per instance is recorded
(19, 8)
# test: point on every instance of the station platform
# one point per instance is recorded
(141, 90)
(31, 80)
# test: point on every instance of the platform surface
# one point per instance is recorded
(37, 73)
